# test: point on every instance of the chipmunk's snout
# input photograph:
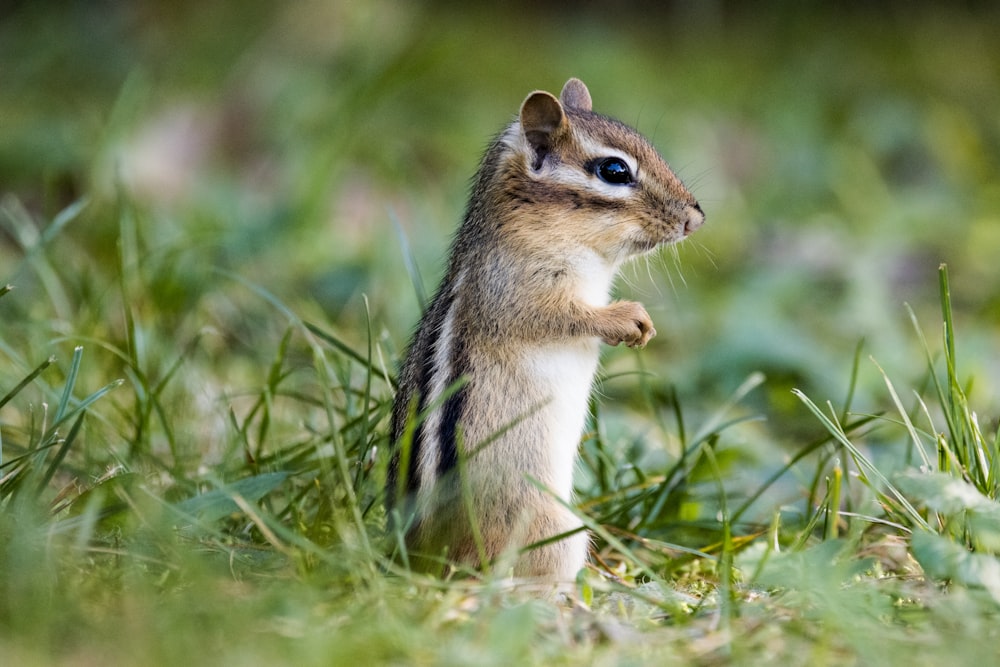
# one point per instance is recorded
(695, 219)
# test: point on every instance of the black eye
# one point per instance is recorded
(613, 170)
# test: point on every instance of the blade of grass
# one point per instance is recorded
(410, 261)
(67, 395)
(326, 374)
(853, 382)
(904, 415)
(862, 461)
(60, 454)
(345, 349)
(833, 503)
(725, 570)
(366, 402)
(714, 424)
(801, 454)
(28, 379)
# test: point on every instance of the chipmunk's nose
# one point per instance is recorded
(695, 219)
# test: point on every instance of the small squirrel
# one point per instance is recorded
(493, 393)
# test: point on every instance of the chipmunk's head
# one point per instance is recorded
(593, 179)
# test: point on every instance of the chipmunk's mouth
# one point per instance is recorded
(645, 243)
(661, 233)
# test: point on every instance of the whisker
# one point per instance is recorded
(649, 274)
(697, 178)
(675, 254)
(625, 278)
(707, 253)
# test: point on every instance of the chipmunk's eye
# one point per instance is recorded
(613, 170)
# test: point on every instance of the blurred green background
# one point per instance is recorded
(841, 153)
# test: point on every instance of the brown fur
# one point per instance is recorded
(518, 316)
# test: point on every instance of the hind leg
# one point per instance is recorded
(557, 562)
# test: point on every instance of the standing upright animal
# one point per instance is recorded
(493, 393)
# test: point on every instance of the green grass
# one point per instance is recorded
(217, 227)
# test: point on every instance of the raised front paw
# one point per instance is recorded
(627, 322)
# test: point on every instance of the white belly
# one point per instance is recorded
(565, 373)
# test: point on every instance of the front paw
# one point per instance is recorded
(627, 322)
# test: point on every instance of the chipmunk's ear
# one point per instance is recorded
(575, 94)
(543, 123)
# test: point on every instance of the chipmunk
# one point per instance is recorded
(493, 393)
